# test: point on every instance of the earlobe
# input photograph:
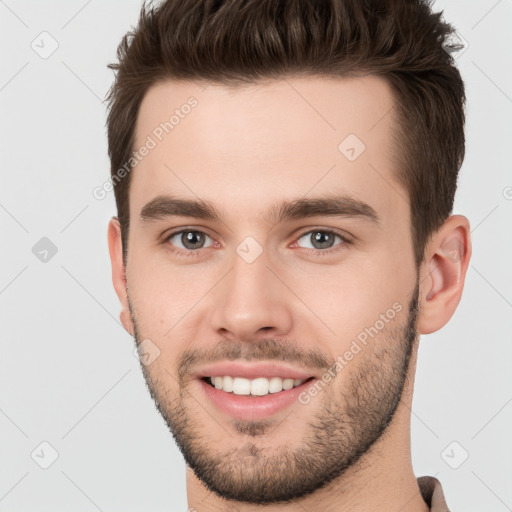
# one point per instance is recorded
(443, 273)
(115, 248)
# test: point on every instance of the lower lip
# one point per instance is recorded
(248, 407)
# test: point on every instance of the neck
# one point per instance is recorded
(382, 480)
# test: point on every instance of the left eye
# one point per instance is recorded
(320, 239)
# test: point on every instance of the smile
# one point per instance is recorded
(259, 386)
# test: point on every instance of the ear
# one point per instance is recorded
(443, 272)
(115, 248)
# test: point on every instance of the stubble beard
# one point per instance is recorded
(351, 419)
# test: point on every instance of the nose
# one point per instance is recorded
(251, 302)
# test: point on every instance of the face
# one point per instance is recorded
(270, 249)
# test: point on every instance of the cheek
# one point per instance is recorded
(167, 305)
(161, 292)
(351, 298)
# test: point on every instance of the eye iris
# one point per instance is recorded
(193, 238)
(322, 239)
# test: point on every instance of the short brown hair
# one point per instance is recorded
(237, 42)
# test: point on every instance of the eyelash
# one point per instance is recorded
(311, 252)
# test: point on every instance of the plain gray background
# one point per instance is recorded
(68, 374)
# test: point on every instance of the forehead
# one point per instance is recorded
(269, 141)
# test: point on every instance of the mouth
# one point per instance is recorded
(260, 386)
(252, 392)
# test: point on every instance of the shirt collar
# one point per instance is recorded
(432, 493)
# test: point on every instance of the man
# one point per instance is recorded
(284, 175)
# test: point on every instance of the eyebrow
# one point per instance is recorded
(164, 206)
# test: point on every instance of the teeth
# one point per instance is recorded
(241, 386)
(259, 387)
(227, 383)
(275, 384)
(287, 384)
(255, 387)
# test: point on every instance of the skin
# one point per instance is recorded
(253, 147)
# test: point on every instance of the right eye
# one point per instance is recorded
(187, 240)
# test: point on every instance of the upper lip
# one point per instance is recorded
(253, 370)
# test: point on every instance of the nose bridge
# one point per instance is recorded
(250, 297)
